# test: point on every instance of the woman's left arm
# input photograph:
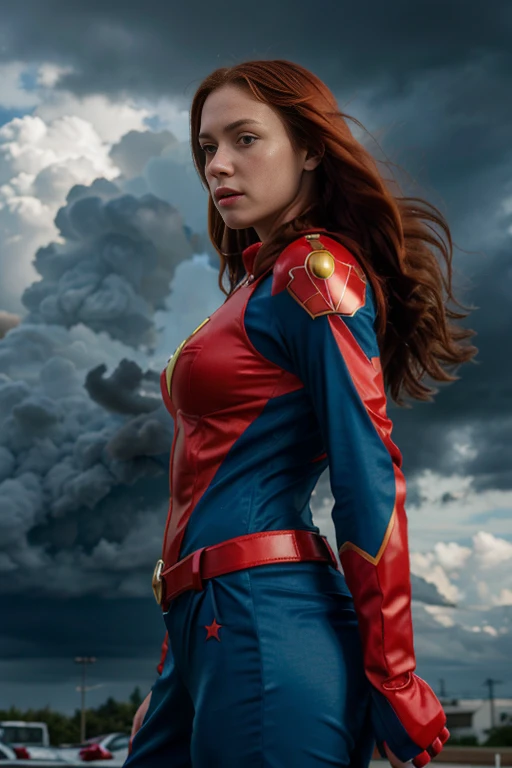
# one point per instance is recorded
(325, 312)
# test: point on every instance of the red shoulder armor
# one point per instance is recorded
(321, 275)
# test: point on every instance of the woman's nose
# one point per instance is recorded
(221, 162)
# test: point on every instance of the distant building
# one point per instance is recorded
(472, 717)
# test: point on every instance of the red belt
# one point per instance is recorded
(236, 554)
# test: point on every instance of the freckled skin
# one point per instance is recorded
(277, 181)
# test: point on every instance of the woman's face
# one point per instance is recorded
(255, 158)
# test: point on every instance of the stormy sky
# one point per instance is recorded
(105, 266)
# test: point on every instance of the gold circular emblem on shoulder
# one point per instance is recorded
(321, 264)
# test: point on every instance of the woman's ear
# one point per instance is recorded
(313, 159)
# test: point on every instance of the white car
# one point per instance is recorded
(28, 740)
(111, 747)
(6, 753)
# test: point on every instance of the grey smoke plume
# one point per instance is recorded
(113, 269)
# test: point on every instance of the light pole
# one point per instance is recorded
(83, 660)
(490, 683)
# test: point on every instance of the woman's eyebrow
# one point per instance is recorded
(229, 127)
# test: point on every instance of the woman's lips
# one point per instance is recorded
(230, 200)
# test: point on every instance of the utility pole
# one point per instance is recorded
(83, 660)
(490, 684)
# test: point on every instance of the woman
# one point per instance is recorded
(334, 293)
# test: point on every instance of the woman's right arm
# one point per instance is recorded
(326, 325)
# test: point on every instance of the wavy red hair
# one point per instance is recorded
(391, 236)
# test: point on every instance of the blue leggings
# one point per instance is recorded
(282, 687)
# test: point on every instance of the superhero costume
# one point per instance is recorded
(283, 380)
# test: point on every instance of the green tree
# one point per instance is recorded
(499, 737)
(111, 716)
(60, 727)
(463, 741)
(136, 698)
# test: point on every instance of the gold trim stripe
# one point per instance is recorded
(365, 555)
(172, 362)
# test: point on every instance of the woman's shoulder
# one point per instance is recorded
(321, 274)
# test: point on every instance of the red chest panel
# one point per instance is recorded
(217, 368)
(219, 384)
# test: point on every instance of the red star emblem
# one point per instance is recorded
(213, 630)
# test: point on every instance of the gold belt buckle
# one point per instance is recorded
(156, 581)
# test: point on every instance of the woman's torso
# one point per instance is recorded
(247, 449)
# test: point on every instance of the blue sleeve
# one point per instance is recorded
(337, 359)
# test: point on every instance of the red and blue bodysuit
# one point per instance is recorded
(276, 658)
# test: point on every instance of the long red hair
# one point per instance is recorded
(391, 236)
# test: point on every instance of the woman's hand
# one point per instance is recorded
(140, 714)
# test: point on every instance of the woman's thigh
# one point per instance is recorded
(164, 737)
(317, 697)
(283, 685)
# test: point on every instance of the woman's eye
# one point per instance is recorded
(204, 148)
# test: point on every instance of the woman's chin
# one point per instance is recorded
(237, 222)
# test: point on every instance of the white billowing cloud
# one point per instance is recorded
(29, 144)
(476, 577)
(490, 552)
(450, 510)
(13, 95)
(170, 115)
(108, 119)
(65, 141)
(441, 615)
(504, 597)
(478, 628)
(48, 74)
(425, 565)
(39, 163)
(451, 556)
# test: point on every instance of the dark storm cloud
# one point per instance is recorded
(478, 407)
(114, 268)
(435, 642)
(153, 48)
(32, 622)
(142, 436)
(7, 321)
(169, 174)
(83, 490)
(120, 392)
(83, 485)
(425, 592)
(136, 148)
